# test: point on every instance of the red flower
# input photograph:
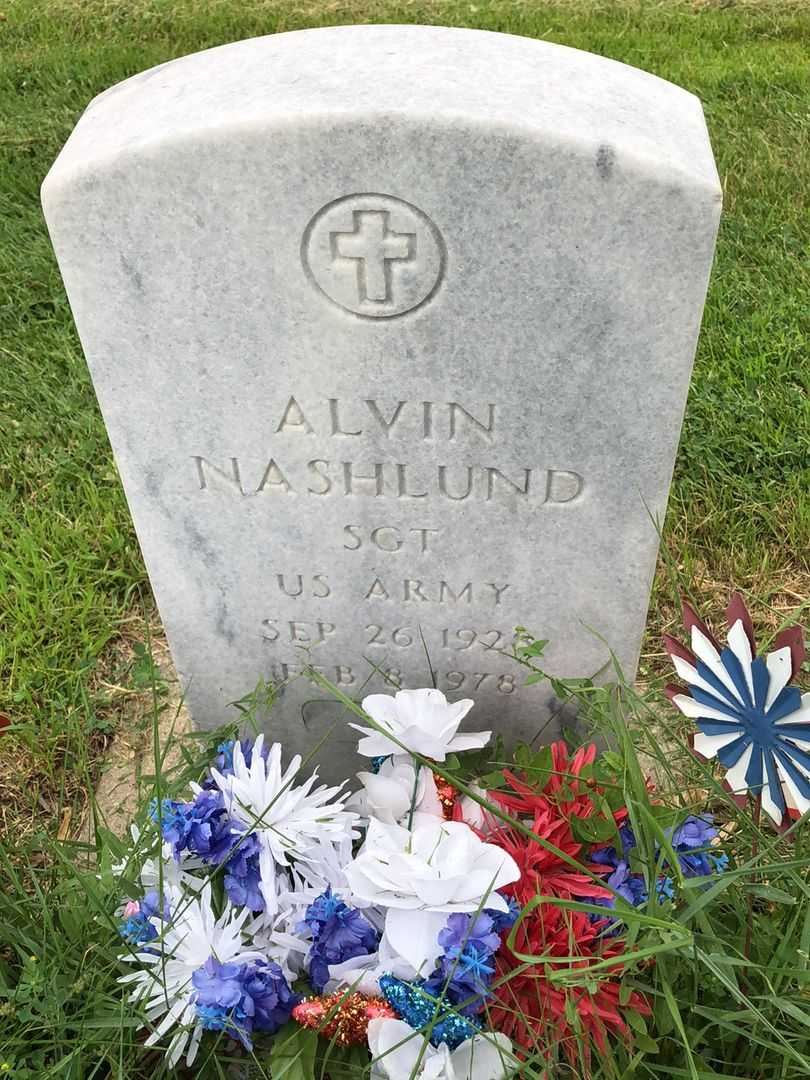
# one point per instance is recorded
(546, 1017)
(565, 791)
(542, 871)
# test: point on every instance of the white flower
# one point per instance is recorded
(163, 870)
(362, 973)
(422, 722)
(171, 872)
(473, 813)
(277, 935)
(287, 820)
(422, 876)
(164, 983)
(400, 1053)
(388, 794)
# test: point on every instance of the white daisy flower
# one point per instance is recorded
(277, 935)
(288, 820)
(164, 869)
(163, 984)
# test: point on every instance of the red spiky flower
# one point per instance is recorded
(543, 872)
(545, 1016)
(565, 790)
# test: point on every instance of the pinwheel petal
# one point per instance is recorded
(780, 667)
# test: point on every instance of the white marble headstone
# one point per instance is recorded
(392, 330)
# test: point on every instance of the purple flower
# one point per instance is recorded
(338, 933)
(694, 832)
(242, 877)
(464, 931)
(690, 841)
(463, 973)
(242, 998)
(218, 984)
(630, 887)
(150, 906)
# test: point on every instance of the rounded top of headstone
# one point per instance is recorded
(427, 74)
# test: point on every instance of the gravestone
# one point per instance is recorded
(392, 330)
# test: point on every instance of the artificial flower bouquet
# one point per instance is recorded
(455, 913)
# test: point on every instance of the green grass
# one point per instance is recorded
(70, 569)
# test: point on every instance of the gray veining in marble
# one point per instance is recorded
(392, 328)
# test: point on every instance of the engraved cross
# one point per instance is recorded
(373, 245)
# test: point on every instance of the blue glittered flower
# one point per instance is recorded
(242, 998)
(421, 1009)
(747, 715)
(339, 933)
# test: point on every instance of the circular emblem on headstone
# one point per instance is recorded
(373, 255)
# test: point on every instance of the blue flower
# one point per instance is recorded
(747, 716)
(223, 762)
(242, 998)
(719, 861)
(504, 920)
(610, 856)
(716, 862)
(665, 889)
(339, 933)
(202, 827)
(137, 928)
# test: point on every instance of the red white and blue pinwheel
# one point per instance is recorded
(747, 715)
